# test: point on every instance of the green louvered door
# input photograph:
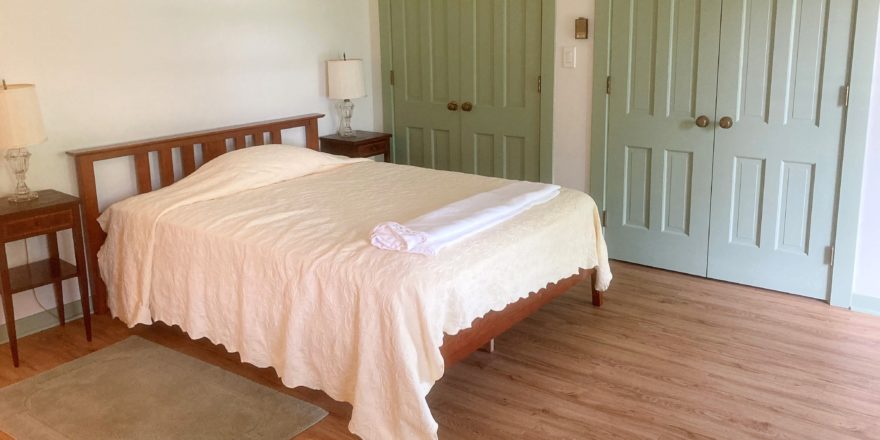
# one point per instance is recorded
(482, 56)
(750, 198)
(664, 70)
(776, 168)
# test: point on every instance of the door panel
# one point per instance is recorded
(500, 53)
(664, 73)
(748, 200)
(782, 68)
(425, 43)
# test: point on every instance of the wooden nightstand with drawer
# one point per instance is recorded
(362, 144)
(51, 212)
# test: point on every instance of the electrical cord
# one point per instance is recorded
(27, 260)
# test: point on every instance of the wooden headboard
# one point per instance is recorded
(213, 143)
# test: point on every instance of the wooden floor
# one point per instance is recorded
(668, 357)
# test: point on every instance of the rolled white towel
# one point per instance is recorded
(394, 236)
(435, 230)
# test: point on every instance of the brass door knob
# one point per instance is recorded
(467, 106)
(452, 106)
(726, 123)
(703, 121)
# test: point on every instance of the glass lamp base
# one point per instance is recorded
(346, 110)
(19, 161)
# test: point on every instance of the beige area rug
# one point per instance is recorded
(140, 390)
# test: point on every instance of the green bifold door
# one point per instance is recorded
(466, 85)
(725, 128)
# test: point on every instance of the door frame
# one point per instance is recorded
(854, 142)
(548, 75)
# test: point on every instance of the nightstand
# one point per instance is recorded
(51, 212)
(363, 144)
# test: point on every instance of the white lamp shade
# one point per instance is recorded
(21, 124)
(345, 79)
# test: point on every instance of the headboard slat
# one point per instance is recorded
(258, 138)
(166, 166)
(188, 159)
(240, 142)
(213, 144)
(212, 149)
(143, 173)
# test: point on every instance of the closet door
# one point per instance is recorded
(782, 71)
(664, 70)
(426, 57)
(466, 89)
(501, 101)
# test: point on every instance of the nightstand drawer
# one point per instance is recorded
(37, 225)
(373, 149)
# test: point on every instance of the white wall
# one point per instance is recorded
(110, 71)
(867, 279)
(572, 110)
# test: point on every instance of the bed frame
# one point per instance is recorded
(213, 143)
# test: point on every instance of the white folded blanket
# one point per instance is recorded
(435, 230)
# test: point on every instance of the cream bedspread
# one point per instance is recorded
(281, 271)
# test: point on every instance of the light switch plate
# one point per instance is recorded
(569, 57)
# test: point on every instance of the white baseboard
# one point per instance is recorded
(41, 321)
(866, 304)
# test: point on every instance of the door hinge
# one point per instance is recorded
(604, 218)
(539, 83)
(846, 93)
(830, 256)
(392, 77)
(608, 85)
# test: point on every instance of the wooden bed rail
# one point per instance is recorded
(213, 143)
(484, 330)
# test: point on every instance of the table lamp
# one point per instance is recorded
(20, 126)
(345, 81)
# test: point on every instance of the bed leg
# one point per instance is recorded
(598, 297)
(489, 347)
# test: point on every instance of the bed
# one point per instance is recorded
(282, 272)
